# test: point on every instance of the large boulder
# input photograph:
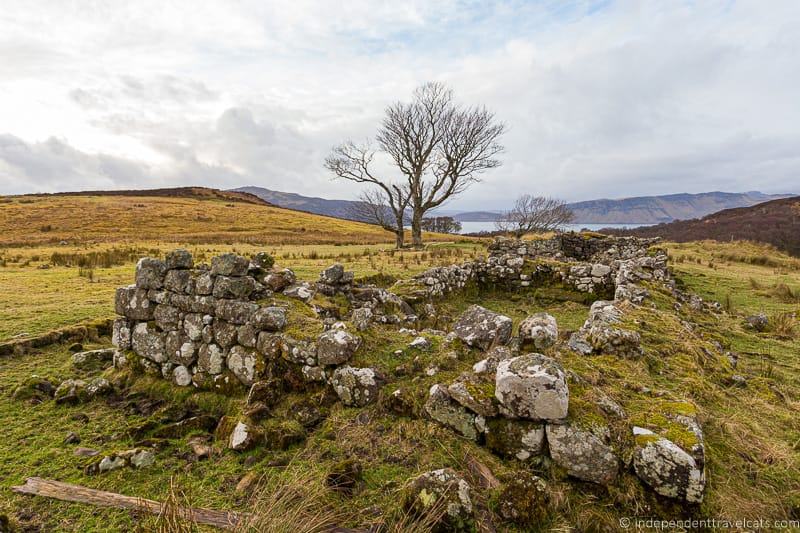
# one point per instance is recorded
(582, 453)
(532, 386)
(443, 409)
(481, 328)
(336, 346)
(356, 386)
(540, 329)
(440, 489)
(667, 468)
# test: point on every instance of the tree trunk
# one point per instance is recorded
(416, 228)
(399, 238)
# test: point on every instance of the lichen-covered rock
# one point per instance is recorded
(133, 303)
(476, 393)
(489, 364)
(362, 318)
(244, 437)
(36, 389)
(440, 489)
(237, 288)
(540, 329)
(667, 468)
(336, 346)
(532, 386)
(179, 259)
(582, 453)
(93, 360)
(229, 265)
(278, 281)
(203, 284)
(121, 333)
(181, 376)
(247, 335)
(332, 275)
(150, 273)
(167, 317)
(298, 351)
(282, 434)
(601, 334)
(356, 386)
(225, 333)
(235, 311)
(446, 411)
(243, 363)
(269, 318)
(523, 499)
(149, 343)
(301, 291)
(520, 439)
(481, 328)
(78, 390)
(210, 359)
(759, 322)
(268, 392)
(313, 374)
(177, 280)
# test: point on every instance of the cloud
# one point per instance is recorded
(603, 98)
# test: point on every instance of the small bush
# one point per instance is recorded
(784, 325)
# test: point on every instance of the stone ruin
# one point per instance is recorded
(217, 327)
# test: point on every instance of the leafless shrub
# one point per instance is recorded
(535, 214)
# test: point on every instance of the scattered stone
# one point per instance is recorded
(420, 343)
(758, 322)
(532, 386)
(446, 411)
(667, 468)
(72, 438)
(36, 389)
(356, 387)
(332, 275)
(247, 483)
(336, 346)
(93, 360)
(362, 318)
(269, 392)
(582, 454)
(242, 362)
(481, 328)
(474, 393)
(444, 489)
(283, 434)
(540, 329)
(181, 376)
(85, 452)
(244, 437)
(301, 291)
(278, 281)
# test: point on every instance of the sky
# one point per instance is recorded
(601, 99)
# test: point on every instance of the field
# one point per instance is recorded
(752, 431)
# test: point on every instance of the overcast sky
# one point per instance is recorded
(601, 99)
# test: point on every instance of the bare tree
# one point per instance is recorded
(441, 224)
(532, 214)
(386, 202)
(377, 207)
(440, 149)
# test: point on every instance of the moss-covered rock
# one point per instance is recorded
(522, 499)
(440, 494)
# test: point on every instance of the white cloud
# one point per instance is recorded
(601, 98)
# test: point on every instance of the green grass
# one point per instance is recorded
(752, 434)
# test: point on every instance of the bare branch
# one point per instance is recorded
(535, 214)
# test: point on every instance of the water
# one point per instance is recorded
(473, 227)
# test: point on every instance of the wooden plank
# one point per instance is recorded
(75, 493)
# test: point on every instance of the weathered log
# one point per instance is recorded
(76, 493)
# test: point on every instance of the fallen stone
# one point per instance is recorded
(336, 346)
(269, 318)
(481, 328)
(582, 454)
(440, 489)
(150, 273)
(449, 413)
(540, 329)
(244, 437)
(229, 265)
(356, 386)
(519, 439)
(667, 468)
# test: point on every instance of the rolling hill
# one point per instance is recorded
(310, 204)
(776, 222)
(188, 214)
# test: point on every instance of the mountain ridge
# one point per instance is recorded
(630, 210)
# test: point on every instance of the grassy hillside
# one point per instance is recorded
(776, 222)
(751, 428)
(128, 217)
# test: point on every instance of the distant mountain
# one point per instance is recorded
(657, 209)
(776, 222)
(320, 206)
(638, 210)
